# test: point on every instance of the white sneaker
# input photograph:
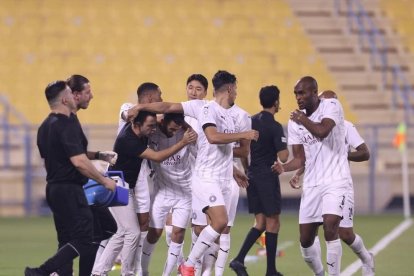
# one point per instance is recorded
(368, 269)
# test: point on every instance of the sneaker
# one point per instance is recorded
(238, 267)
(368, 269)
(186, 270)
(34, 272)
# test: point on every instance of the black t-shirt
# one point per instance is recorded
(129, 147)
(271, 140)
(60, 137)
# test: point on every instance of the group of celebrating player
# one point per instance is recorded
(195, 156)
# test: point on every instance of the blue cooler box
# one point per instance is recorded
(98, 195)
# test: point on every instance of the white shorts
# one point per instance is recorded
(320, 200)
(142, 194)
(161, 206)
(231, 201)
(207, 192)
(348, 215)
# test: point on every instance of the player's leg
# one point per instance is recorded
(333, 201)
(255, 207)
(168, 228)
(310, 217)
(209, 192)
(180, 218)
(199, 222)
(353, 240)
(159, 211)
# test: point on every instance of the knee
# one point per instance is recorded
(330, 232)
(306, 242)
(178, 236)
(219, 224)
(197, 229)
(347, 235)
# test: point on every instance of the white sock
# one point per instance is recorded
(101, 249)
(210, 257)
(147, 249)
(194, 238)
(172, 257)
(333, 256)
(313, 258)
(359, 248)
(223, 254)
(168, 232)
(181, 255)
(138, 254)
(204, 241)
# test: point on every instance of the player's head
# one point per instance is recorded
(149, 92)
(306, 92)
(197, 86)
(171, 123)
(328, 94)
(269, 97)
(58, 94)
(146, 122)
(225, 82)
(81, 90)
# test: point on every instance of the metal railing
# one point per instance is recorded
(15, 131)
(371, 38)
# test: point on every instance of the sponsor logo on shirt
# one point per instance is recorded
(309, 139)
(172, 160)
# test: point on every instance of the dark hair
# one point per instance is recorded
(53, 90)
(177, 118)
(268, 95)
(200, 78)
(221, 78)
(142, 116)
(77, 82)
(145, 87)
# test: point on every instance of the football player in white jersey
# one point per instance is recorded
(213, 169)
(172, 191)
(146, 93)
(317, 137)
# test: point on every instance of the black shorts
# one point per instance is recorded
(263, 194)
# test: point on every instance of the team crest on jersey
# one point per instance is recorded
(212, 198)
(194, 215)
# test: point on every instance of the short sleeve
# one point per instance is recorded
(279, 138)
(193, 107)
(352, 137)
(293, 134)
(71, 138)
(245, 123)
(207, 116)
(332, 110)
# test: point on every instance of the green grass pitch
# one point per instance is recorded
(29, 241)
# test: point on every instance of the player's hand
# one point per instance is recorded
(190, 136)
(251, 135)
(294, 182)
(108, 156)
(132, 113)
(277, 167)
(110, 184)
(241, 178)
(297, 116)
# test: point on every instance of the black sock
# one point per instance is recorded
(250, 239)
(271, 247)
(64, 255)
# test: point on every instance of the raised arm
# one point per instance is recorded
(157, 107)
(215, 137)
(320, 130)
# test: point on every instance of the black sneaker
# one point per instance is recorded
(34, 272)
(238, 267)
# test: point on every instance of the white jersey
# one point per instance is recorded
(213, 160)
(242, 122)
(121, 122)
(326, 159)
(194, 125)
(352, 137)
(173, 175)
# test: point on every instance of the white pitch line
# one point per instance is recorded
(379, 246)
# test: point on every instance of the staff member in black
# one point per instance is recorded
(63, 146)
(263, 192)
